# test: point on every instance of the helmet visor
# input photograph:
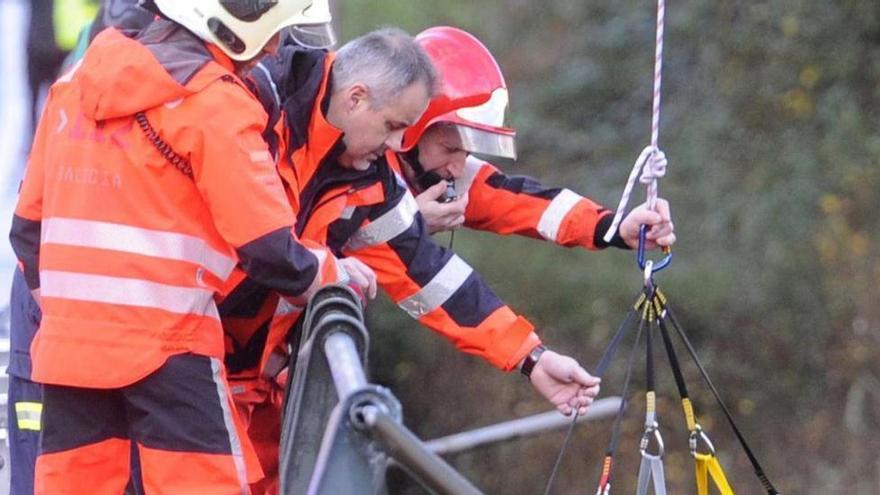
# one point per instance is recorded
(315, 36)
(475, 140)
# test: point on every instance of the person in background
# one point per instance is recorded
(52, 33)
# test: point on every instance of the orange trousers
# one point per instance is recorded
(259, 402)
(181, 417)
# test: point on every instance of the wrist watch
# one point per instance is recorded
(529, 362)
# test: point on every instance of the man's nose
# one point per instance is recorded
(456, 164)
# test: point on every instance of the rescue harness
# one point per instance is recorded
(655, 316)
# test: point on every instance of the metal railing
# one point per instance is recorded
(340, 432)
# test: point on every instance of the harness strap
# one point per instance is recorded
(604, 362)
(708, 465)
(651, 470)
(759, 471)
(605, 479)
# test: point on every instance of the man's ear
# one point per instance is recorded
(358, 94)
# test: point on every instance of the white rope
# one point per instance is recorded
(651, 155)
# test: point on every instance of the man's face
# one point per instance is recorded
(370, 129)
(440, 151)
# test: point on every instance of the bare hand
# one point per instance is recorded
(360, 274)
(661, 231)
(564, 382)
(441, 216)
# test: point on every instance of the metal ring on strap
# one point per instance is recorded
(694, 439)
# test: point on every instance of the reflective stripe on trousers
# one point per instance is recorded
(28, 415)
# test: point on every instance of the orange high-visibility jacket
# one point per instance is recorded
(371, 215)
(516, 204)
(126, 249)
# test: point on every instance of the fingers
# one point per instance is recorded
(433, 192)
(441, 216)
(580, 401)
(582, 377)
(361, 274)
(667, 240)
(662, 207)
(451, 215)
(643, 216)
(660, 229)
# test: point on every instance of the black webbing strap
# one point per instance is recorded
(759, 471)
(650, 385)
(604, 362)
(607, 466)
(615, 429)
(673, 357)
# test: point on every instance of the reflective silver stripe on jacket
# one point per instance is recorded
(436, 292)
(472, 165)
(135, 240)
(555, 213)
(388, 226)
(127, 291)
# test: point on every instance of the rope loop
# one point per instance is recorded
(652, 165)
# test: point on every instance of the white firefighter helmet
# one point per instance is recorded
(241, 28)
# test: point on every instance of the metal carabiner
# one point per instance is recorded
(640, 253)
(695, 436)
(648, 273)
(654, 429)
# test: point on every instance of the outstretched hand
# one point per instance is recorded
(562, 381)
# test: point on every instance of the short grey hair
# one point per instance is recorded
(386, 60)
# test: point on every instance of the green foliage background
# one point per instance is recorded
(770, 123)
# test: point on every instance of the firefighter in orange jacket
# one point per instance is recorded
(343, 114)
(147, 183)
(467, 116)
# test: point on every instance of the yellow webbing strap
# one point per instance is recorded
(689, 414)
(708, 465)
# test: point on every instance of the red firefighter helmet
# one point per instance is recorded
(472, 95)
